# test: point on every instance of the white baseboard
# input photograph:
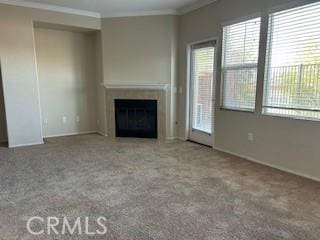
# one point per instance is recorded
(268, 164)
(181, 139)
(102, 134)
(50, 136)
(70, 134)
(171, 138)
(25, 144)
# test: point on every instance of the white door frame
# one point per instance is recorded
(188, 89)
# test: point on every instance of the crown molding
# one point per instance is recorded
(195, 6)
(50, 7)
(141, 13)
(74, 11)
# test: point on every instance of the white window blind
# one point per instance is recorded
(292, 73)
(240, 64)
(202, 85)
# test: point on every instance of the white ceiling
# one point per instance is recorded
(110, 8)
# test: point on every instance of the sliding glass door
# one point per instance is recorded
(201, 95)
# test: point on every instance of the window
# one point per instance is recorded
(240, 64)
(292, 73)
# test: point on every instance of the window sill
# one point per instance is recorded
(237, 110)
(297, 118)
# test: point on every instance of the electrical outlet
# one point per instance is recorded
(250, 137)
(64, 119)
(45, 120)
(77, 118)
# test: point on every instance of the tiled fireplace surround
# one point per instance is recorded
(159, 94)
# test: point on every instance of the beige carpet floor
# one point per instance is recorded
(153, 190)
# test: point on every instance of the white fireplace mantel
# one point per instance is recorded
(136, 86)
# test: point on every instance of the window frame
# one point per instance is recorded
(266, 57)
(262, 58)
(238, 66)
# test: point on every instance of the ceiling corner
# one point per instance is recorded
(195, 6)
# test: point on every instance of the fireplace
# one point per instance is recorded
(136, 118)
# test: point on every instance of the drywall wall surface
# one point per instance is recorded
(173, 93)
(142, 51)
(3, 125)
(288, 144)
(100, 89)
(19, 69)
(66, 75)
(19, 75)
(137, 50)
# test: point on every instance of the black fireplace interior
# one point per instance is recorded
(136, 118)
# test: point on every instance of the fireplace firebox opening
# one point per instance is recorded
(136, 118)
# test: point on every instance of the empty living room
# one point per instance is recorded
(160, 120)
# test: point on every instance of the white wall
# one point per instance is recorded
(100, 89)
(67, 80)
(142, 50)
(137, 50)
(285, 143)
(3, 126)
(19, 72)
